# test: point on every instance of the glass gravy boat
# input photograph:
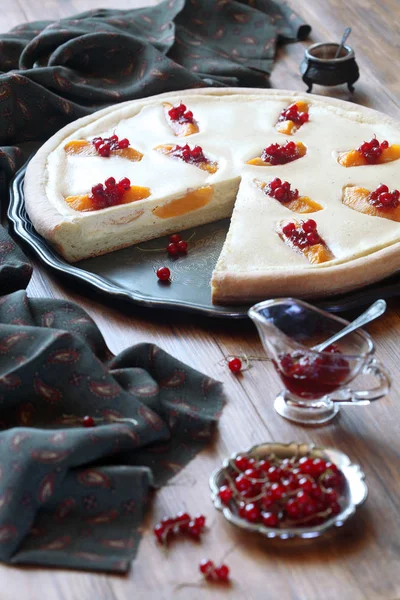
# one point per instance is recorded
(316, 383)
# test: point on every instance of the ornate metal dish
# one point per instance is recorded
(354, 495)
(128, 275)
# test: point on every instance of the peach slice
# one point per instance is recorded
(258, 161)
(190, 201)
(83, 202)
(354, 158)
(180, 129)
(85, 148)
(357, 198)
(290, 127)
(302, 204)
(317, 254)
(209, 166)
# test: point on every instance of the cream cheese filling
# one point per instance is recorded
(234, 129)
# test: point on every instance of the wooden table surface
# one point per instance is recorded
(359, 562)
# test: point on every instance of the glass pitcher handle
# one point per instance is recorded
(373, 367)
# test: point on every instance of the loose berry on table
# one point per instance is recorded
(235, 365)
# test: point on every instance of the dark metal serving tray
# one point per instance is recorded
(129, 274)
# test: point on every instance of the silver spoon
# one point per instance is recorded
(345, 35)
(373, 312)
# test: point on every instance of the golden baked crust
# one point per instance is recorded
(76, 237)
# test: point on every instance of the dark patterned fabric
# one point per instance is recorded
(74, 496)
(70, 68)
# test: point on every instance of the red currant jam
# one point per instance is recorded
(372, 150)
(104, 146)
(181, 114)
(110, 193)
(286, 492)
(312, 375)
(280, 154)
(383, 198)
(189, 155)
(292, 114)
(303, 236)
(281, 191)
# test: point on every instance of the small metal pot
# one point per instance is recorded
(319, 66)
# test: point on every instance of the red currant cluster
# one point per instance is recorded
(176, 245)
(104, 146)
(292, 114)
(303, 236)
(110, 193)
(189, 155)
(280, 154)
(383, 198)
(182, 523)
(283, 492)
(372, 150)
(280, 190)
(313, 375)
(212, 572)
(181, 114)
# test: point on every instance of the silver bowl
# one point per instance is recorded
(355, 494)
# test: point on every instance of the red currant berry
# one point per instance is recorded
(235, 365)
(222, 573)
(88, 421)
(124, 143)
(293, 509)
(182, 247)
(274, 474)
(251, 512)
(225, 493)
(110, 182)
(263, 466)
(206, 566)
(175, 238)
(242, 463)
(200, 521)
(289, 229)
(163, 273)
(242, 483)
(193, 529)
(277, 490)
(173, 249)
(309, 226)
(159, 531)
(269, 519)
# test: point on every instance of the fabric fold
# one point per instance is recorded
(152, 414)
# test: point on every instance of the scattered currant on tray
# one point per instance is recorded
(163, 273)
(176, 245)
(280, 493)
(183, 523)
